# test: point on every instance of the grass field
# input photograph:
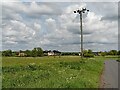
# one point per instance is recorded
(50, 72)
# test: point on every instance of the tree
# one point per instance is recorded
(28, 53)
(88, 53)
(39, 52)
(7, 53)
(103, 53)
(34, 52)
(85, 52)
(119, 52)
(112, 52)
(14, 54)
(0, 53)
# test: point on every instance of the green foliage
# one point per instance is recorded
(85, 51)
(103, 54)
(34, 52)
(7, 53)
(88, 53)
(72, 65)
(28, 53)
(119, 52)
(113, 52)
(39, 52)
(44, 72)
(70, 54)
(14, 54)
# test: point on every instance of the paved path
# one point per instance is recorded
(109, 78)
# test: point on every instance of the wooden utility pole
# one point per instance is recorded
(80, 13)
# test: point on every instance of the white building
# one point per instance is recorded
(51, 53)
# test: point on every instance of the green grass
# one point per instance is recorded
(50, 72)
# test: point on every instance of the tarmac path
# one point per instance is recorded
(109, 77)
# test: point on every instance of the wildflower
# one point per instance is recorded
(70, 77)
(32, 63)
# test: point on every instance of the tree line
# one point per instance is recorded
(89, 53)
(38, 52)
(111, 52)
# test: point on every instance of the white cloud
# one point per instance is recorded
(41, 24)
(51, 25)
(17, 30)
(37, 26)
(39, 9)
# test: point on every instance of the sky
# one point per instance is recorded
(54, 26)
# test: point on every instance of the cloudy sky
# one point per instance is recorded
(53, 25)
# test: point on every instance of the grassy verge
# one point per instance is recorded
(44, 72)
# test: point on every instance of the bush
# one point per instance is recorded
(103, 54)
(88, 55)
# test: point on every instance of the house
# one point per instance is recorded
(51, 53)
(21, 54)
(48, 53)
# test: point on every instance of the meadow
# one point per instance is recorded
(50, 72)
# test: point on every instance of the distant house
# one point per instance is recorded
(48, 53)
(51, 53)
(21, 54)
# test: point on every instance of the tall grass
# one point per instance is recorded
(49, 72)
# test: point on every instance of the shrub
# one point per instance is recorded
(88, 55)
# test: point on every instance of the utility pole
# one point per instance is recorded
(80, 13)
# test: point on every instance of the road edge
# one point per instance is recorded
(101, 77)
